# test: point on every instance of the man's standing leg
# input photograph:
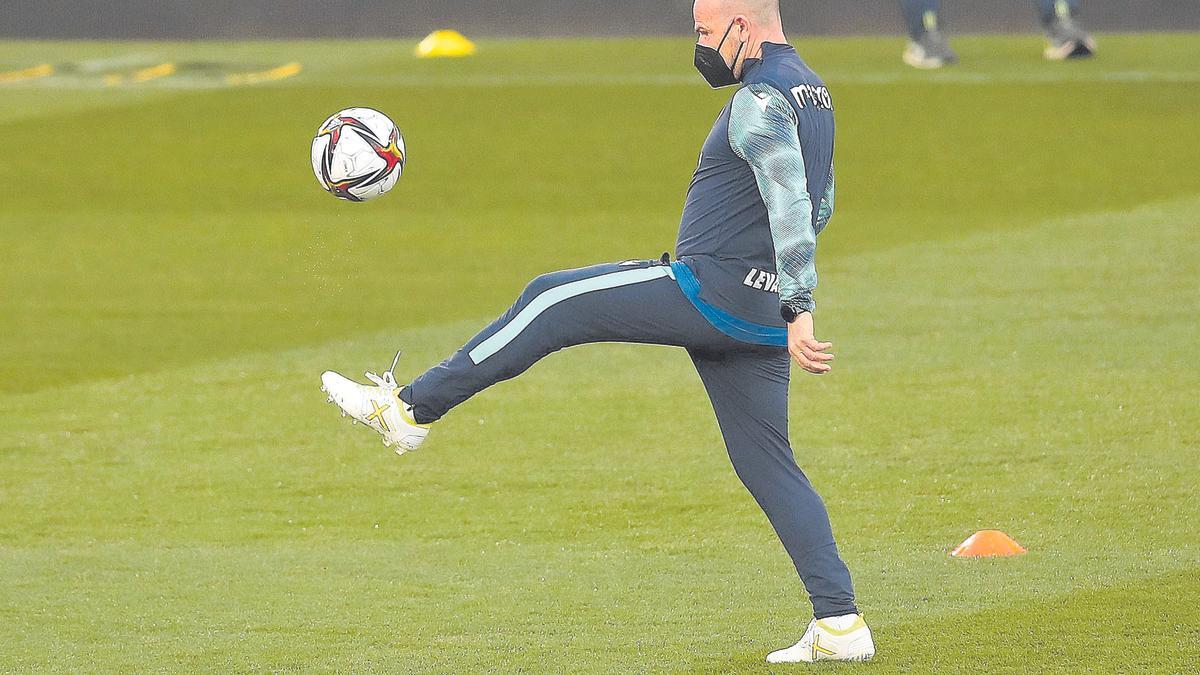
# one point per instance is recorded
(749, 393)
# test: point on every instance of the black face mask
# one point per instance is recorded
(712, 65)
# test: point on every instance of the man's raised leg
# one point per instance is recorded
(637, 301)
(618, 302)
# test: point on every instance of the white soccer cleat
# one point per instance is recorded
(838, 638)
(378, 406)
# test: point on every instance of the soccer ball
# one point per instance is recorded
(358, 154)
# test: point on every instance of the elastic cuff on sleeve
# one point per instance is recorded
(790, 309)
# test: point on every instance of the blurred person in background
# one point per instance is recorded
(929, 49)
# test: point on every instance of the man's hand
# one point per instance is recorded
(805, 348)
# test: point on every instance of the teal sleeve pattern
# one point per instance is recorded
(825, 208)
(762, 131)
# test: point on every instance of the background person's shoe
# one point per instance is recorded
(930, 52)
(1067, 40)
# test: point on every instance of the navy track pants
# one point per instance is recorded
(640, 302)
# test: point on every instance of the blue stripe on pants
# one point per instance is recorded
(556, 294)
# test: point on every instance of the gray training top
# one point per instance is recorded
(762, 192)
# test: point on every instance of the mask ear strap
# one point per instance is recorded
(736, 55)
(733, 65)
(722, 42)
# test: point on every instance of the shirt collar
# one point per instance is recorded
(770, 50)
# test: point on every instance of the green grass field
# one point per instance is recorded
(1011, 285)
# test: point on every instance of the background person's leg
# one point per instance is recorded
(927, 47)
(918, 14)
(1065, 38)
(749, 393)
(1053, 10)
(602, 303)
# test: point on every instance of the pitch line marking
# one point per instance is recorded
(143, 75)
(154, 72)
(36, 72)
(280, 73)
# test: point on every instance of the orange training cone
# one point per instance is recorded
(988, 544)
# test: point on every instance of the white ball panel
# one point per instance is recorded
(319, 144)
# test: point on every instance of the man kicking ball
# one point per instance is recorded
(738, 299)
